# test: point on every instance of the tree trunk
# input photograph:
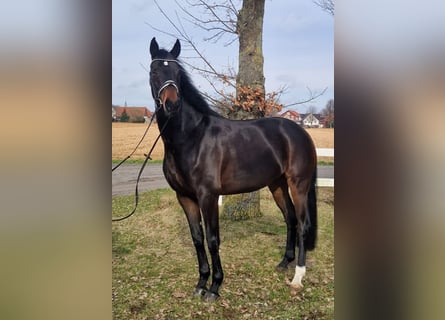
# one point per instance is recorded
(250, 74)
(250, 34)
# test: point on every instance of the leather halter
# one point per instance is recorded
(166, 83)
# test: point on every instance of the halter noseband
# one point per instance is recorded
(165, 85)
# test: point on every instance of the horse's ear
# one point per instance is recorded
(176, 49)
(154, 48)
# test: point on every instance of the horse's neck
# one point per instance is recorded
(180, 126)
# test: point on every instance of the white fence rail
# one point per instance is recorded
(325, 182)
(325, 152)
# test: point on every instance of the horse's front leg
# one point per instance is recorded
(193, 214)
(209, 206)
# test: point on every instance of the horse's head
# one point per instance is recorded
(165, 76)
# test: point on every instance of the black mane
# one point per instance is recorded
(188, 90)
(193, 96)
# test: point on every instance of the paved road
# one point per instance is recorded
(124, 178)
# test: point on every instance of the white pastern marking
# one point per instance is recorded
(299, 274)
(220, 200)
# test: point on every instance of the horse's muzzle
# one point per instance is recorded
(169, 96)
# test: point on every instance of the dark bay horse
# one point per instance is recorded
(207, 155)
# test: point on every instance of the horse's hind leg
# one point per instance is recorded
(281, 196)
(193, 214)
(299, 196)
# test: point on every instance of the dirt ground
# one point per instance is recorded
(125, 137)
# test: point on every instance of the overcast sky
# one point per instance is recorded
(298, 48)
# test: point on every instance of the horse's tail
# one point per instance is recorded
(311, 227)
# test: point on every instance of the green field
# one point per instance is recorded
(155, 267)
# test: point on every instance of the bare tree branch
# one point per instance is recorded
(143, 67)
(214, 20)
(219, 20)
(326, 5)
(312, 97)
(212, 10)
(183, 35)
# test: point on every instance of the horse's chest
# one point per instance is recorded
(175, 177)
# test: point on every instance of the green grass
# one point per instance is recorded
(325, 163)
(155, 266)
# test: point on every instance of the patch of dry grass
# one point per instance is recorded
(323, 137)
(125, 137)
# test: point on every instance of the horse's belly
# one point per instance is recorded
(250, 179)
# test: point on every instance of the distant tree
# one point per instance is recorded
(138, 119)
(328, 113)
(124, 116)
(311, 109)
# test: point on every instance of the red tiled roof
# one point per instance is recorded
(134, 112)
(290, 114)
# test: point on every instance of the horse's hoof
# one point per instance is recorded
(294, 287)
(294, 290)
(285, 264)
(210, 296)
(280, 268)
(199, 292)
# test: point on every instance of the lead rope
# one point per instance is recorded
(147, 157)
(137, 146)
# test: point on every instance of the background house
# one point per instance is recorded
(134, 114)
(312, 120)
(292, 115)
(308, 120)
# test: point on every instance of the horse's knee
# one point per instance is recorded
(204, 271)
(213, 244)
(218, 277)
(290, 254)
(197, 237)
(198, 242)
